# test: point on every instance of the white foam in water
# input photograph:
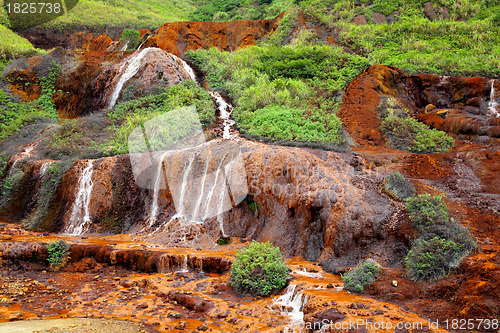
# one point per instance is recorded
(132, 66)
(304, 272)
(294, 301)
(186, 67)
(156, 191)
(493, 104)
(184, 268)
(225, 111)
(80, 214)
(43, 168)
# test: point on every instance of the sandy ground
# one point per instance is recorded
(73, 325)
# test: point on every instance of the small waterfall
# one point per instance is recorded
(186, 67)
(493, 104)
(156, 191)
(124, 48)
(294, 301)
(180, 209)
(225, 111)
(44, 168)
(184, 268)
(132, 66)
(80, 215)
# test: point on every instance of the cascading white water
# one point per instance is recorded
(304, 272)
(184, 268)
(211, 192)
(493, 104)
(195, 217)
(294, 301)
(225, 111)
(124, 47)
(180, 210)
(44, 167)
(186, 67)
(131, 67)
(80, 215)
(156, 191)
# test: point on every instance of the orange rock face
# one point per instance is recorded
(178, 37)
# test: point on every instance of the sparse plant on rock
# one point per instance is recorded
(131, 38)
(259, 270)
(398, 187)
(361, 276)
(58, 254)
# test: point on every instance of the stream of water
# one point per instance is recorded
(493, 104)
(80, 214)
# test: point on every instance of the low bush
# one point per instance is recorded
(57, 254)
(432, 258)
(409, 134)
(259, 270)
(398, 187)
(442, 243)
(291, 124)
(130, 37)
(425, 211)
(361, 276)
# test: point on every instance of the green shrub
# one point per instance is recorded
(409, 134)
(224, 240)
(425, 211)
(398, 187)
(259, 270)
(361, 276)
(433, 258)
(57, 254)
(442, 243)
(131, 38)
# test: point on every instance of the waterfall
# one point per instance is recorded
(493, 104)
(156, 191)
(186, 67)
(294, 301)
(184, 268)
(80, 215)
(180, 207)
(132, 66)
(211, 193)
(195, 218)
(43, 168)
(225, 111)
(304, 272)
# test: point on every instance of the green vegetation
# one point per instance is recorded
(405, 132)
(224, 240)
(130, 37)
(230, 10)
(398, 187)
(273, 85)
(14, 115)
(128, 115)
(116, 13)
(14, 46)
(57, 254)
(9, 185)
(442, 244)
(361, 276)
(259, 270)
(414, 43)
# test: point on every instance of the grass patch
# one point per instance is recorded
(14, 115)
(130, 13)
(272, 86)
(443, 242)
(14, 46)
(230, 10)
(407, 133)
(361, 276)
(259, 270)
